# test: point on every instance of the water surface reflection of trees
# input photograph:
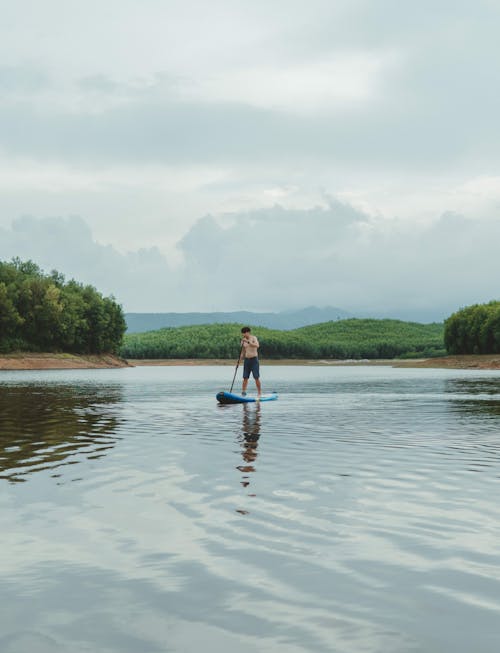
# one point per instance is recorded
(476, 404)
(480, 397)
(46, 426)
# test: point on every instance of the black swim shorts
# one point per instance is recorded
(251, 365)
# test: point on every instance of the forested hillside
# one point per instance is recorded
(474, 330)
(43, 312)
(353, 338)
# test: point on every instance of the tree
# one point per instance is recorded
(43, 312)
(474, 330)
(10, 319)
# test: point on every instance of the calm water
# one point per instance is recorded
(358, 513)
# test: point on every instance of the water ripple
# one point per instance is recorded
(356, 513)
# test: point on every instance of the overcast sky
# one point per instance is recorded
(188, 155)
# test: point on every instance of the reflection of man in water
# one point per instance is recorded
(251, 435)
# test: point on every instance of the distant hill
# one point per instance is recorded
(340, 339)
(286, 320)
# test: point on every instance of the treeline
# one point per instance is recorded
(43, 312)
(474, 330)
(352, 338)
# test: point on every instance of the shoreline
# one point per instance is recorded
(469, 362)
(50, 361)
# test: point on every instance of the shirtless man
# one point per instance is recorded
(249, 353)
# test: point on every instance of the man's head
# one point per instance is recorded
(245, 330)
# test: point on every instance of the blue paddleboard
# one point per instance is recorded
(233, 398)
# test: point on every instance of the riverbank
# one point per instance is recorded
(463, 362)
(482, 362)
(44, 361)
(37, 361)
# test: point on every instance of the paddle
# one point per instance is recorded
(237, 365)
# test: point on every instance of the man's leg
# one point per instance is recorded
(256, 375)
(246, 376)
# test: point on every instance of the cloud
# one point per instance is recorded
(337, 255)
(333, 83)
(277, 259)
(139, 279)
(159, 113)
(353, 84)
(15, 80)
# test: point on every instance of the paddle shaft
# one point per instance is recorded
(237, 365)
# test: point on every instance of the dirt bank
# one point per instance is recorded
(25, 361)
(484, 362)
(476, 362)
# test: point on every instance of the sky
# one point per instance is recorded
(194, 156)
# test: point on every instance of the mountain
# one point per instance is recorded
(141, 322)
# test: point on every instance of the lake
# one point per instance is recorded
(358, 513)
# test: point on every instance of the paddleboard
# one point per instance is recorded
(233, 398)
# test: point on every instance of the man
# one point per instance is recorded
(249, 353)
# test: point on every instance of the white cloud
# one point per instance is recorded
(25, 174)
(338, 255)
(276, 259)
(336, 82)
(144, 116)
(139, 278)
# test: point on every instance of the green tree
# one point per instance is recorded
(474, 330)
(10, 320)
(43, 312)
